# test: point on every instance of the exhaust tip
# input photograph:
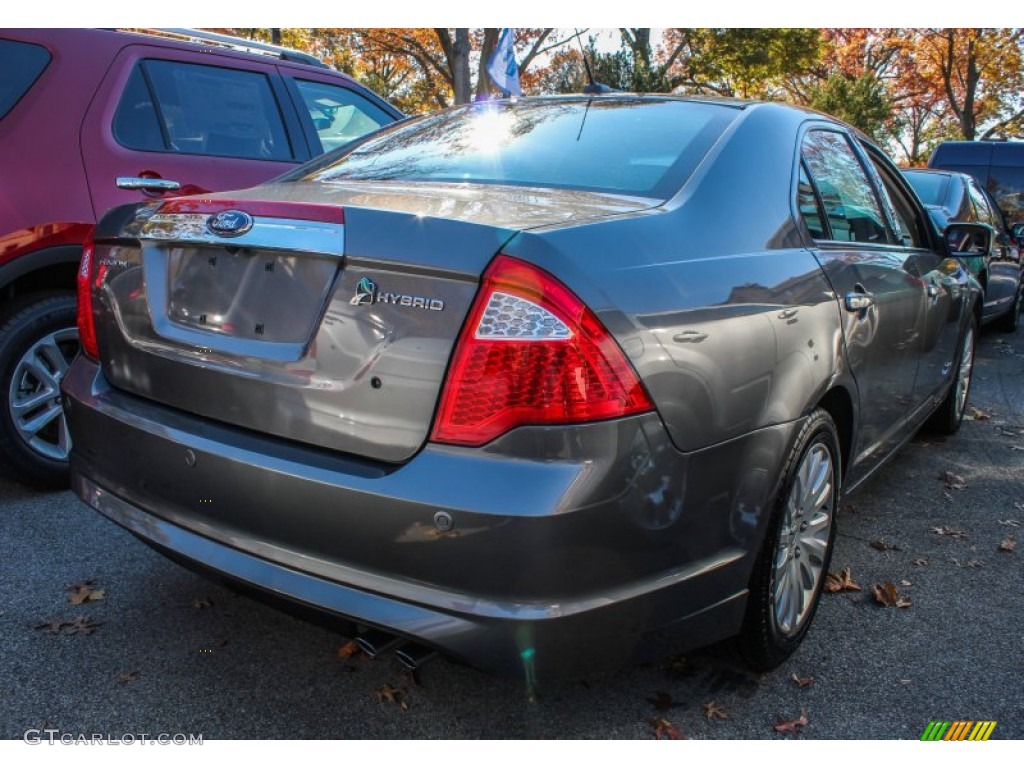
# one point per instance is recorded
(375, 642)
(412, 656)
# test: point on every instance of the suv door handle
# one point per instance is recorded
(146, 185)
(856, 301)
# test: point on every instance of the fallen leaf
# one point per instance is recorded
(979, 415)
(1018, 506)
(945, 530)
(919, 561)
(888, 595)
(349, 650)
(1010, 523)
(840, 582)
(905, 680)
(81, 625)
(127, 677)
(713, 711)
(947, 495)
(663, 729)
(202, 603)
(82, 592)
(393, 695)
(802, 682)
(662, 701)
(1009, 544)
(790, 726)
(883, 546)
(53, 627)
(905, 583)
(974, 564)
(954, 481)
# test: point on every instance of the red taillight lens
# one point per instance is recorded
(86, 323)
(532, 353)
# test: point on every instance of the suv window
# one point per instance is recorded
(171, 106)
(1007, 186)
(851, 207)
(20, 65)
(339, 115)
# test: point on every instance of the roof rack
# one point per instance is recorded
(233, 43)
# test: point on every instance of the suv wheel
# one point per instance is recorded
(37, 344)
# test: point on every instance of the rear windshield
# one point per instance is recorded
(637, 147)
(930, 187)
(20, 65)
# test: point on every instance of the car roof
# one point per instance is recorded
(187, 40)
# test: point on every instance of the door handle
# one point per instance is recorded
(933, 291)
(855, 302)
(146, 185)
(691, 337)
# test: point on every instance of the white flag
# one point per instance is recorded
(502, 67)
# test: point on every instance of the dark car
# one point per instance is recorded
(90, 119)
(950, 196)
(539, 384)
(997, 165)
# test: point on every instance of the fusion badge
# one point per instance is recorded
(367, 292)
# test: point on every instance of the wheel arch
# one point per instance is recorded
(43, 271)
(839, 404)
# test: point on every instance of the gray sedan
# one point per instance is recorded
(545, 385)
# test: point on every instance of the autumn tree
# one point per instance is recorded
(978, 74)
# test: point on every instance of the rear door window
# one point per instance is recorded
(172, 106)
(339, 115)
(20, 65)
(851, 207)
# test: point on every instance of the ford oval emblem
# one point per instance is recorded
(230, 223)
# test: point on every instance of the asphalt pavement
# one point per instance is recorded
(165, 651)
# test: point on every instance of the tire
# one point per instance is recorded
(1009, 321)
(38, 341)
(950, 414)
(789, 574)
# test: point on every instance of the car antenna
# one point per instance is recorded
(592, 85)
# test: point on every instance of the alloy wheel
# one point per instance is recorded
(34, 397)
(963, 382)
(799, 561)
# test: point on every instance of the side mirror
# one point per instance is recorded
(968, 239)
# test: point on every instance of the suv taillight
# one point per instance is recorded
(86, 322)
(532, 353)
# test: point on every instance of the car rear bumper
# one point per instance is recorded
(552, 567)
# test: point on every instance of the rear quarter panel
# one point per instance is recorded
(724, 313)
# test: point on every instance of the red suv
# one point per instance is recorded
(90, 119)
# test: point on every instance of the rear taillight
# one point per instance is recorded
(532, 353)
(86, 323)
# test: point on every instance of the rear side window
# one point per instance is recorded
(20, 65)
(851, 207)
(930, 187)
(339, 115)
(194, 109)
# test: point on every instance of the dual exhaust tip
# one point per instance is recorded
(410, 655)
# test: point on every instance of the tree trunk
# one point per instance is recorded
(461, 83)
(483, 80)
